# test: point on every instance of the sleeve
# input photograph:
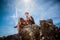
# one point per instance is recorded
(32, 20)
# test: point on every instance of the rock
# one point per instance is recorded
(45, 31)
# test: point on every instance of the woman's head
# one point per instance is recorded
(20, 20)
(26, 13)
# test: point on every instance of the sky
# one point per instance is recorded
(11, 10)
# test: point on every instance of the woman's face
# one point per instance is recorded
(26, 14)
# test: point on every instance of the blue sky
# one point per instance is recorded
(11, 10)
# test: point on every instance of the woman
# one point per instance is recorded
(20, 26)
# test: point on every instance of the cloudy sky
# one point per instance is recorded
(11, 10)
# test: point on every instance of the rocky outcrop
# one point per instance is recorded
(45, 31)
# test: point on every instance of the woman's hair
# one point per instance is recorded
(26, 12)
(20, 20)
